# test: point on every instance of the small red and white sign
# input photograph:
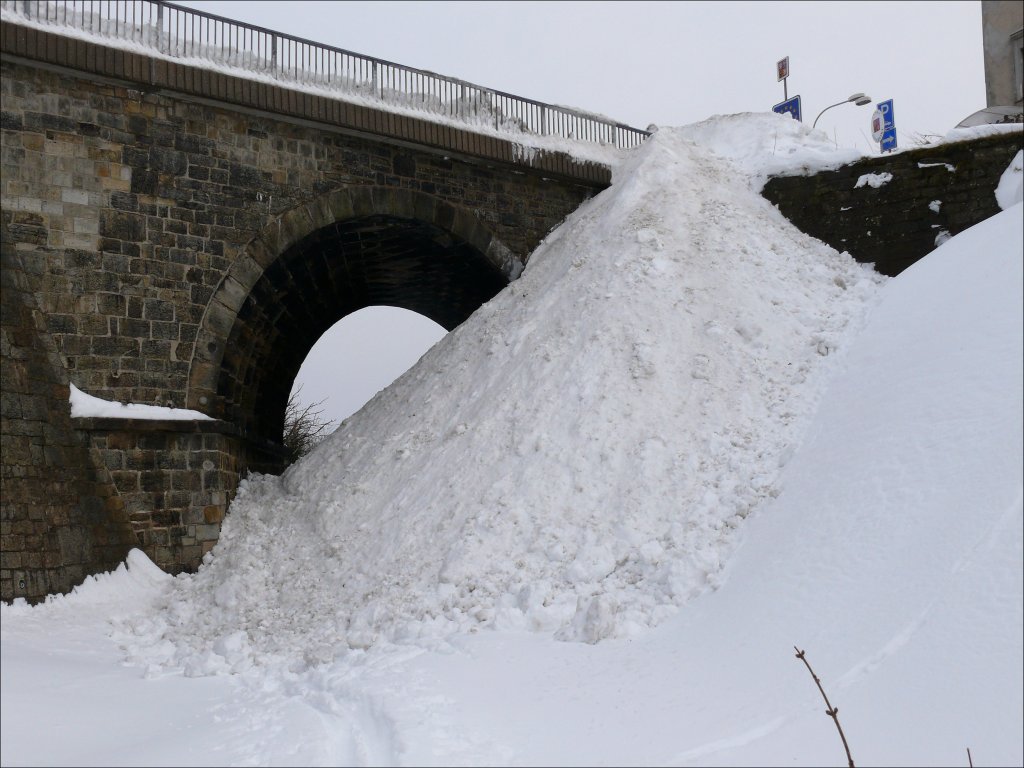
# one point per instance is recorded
(783, 68)
(877, 125)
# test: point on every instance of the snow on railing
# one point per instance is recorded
(183, 33)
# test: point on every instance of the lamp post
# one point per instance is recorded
(858, 98)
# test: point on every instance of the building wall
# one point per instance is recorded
(1002, 22)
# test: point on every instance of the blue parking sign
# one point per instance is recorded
(790, 107)
(888, 141)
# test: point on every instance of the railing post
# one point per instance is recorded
(374, 81)
(543, 121)
(159, 26)
(273, 54)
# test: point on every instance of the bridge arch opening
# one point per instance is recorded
(387, 248)
(360, 355)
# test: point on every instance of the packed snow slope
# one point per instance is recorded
(892, 556)
(573, 459)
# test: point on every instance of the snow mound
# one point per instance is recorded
(573, 459)
(765, 144)
(1010, 189)
(136, 579)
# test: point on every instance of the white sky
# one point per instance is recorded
(667, 63)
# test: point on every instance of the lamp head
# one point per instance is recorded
(860, 99)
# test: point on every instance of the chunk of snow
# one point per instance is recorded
(873, 180)
(950, 168)
(84, 405)
(1010, 189)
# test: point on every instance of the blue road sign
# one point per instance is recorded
(790, 107)
(888, 140)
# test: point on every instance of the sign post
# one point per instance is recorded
(887, 141)
(790, 107)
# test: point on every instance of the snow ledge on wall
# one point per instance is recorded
(85, 406)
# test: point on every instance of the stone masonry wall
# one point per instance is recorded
(934, 192)
(60, 517)
(133, 206)
(175, 479)
(124, 206)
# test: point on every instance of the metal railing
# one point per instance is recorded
(183, 33)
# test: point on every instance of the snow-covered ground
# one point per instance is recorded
(591, 524)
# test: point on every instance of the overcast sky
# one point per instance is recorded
(666, 63)
(673, 63)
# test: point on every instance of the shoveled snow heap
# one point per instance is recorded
(573, 459)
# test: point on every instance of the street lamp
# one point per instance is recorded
(858, 98)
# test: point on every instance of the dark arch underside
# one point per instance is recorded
(334, 271)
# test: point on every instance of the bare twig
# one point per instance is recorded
(969, 761)
(832, 712)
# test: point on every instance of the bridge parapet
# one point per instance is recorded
(205, 40)
(147, 75)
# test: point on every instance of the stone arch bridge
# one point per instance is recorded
(182, 237)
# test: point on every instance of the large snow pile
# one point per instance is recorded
(574, 458)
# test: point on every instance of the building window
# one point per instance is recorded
(1017, 46)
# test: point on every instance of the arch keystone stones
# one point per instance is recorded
(293, 226)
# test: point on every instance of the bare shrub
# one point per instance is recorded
(304, 427)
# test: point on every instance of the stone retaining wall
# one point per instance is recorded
(933, 193)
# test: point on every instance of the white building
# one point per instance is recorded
(1002, 24)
